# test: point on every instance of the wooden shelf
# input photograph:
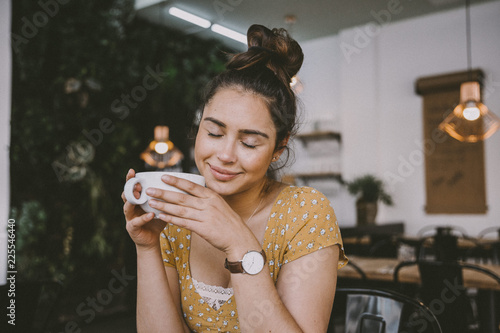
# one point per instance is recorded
(314, 176)
(319, 135)
(316, 136)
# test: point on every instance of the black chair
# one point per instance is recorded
(445, 243)
(358, 269)
(446, 229)
(491, 250)
(442, 289)
(358, 310)
(351, 282)
(489, 230)
(384, 247)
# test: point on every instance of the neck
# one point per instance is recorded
(246, 203)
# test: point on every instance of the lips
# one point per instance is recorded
(222, 174)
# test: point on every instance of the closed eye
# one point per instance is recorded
(247, 145)
(214, 135)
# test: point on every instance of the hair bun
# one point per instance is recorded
(274, 49)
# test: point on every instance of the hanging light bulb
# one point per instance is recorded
(470, 121)
(161, 147)
(161, 152)
(471, 111)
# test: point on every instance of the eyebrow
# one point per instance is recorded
(245, 131)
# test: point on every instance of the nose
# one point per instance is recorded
(227, 151)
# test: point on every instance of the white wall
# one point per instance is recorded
(364, 77)
(5, 84)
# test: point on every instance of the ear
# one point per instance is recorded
(282, 145)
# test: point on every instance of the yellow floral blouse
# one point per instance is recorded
(301, 222)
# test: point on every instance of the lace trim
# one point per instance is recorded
(214, 296)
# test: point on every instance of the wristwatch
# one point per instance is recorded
(252, 263)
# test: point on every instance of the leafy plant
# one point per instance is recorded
(369, 188)
(67, 169)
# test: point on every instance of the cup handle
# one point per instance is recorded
(129, 192)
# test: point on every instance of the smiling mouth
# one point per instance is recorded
(221, 174)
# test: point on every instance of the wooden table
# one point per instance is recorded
(462, 243)
(382, 269)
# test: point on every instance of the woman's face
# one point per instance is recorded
(235, 142)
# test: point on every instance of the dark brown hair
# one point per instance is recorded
(266, 68)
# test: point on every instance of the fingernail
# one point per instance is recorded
(151, 191)
(153, 203)
(165, 178)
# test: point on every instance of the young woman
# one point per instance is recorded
(245, 253)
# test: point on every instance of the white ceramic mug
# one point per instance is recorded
(153, 179)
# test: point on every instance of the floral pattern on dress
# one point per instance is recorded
(301, 222)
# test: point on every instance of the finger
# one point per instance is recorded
(137, 190)
(140, 221)
(130, 174)
(130, 211)
(185, 185)
(180, 199)
(182, 211)
(181, 222)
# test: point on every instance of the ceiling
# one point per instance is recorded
(314, 18)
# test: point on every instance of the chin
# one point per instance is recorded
(221, 188)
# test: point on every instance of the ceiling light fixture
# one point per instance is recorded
(183, 15)
(161, 153)
(229, 33)
(470, 121)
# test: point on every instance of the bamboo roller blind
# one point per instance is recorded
(454, 170)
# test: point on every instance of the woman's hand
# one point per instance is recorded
(142, 228)
(204, 212)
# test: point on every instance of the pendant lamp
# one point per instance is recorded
(470, 121)
(161, 153)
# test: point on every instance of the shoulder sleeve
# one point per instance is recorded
(166, 249)
(313, 225)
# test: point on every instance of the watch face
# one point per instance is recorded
(253, 262)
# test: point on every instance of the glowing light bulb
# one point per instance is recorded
(161, 147)
(471, 112)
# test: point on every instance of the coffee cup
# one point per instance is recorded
(153, 179)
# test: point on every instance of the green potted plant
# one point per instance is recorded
(369, 190)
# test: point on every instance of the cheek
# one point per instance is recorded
(257, 162)
(199, 151)
(203, 149)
